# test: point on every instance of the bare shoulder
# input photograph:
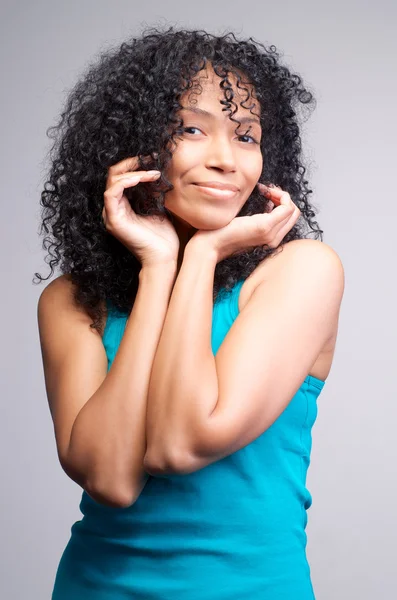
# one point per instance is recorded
(307, 249)
(58, 296)
(308, 254)
(59, 289)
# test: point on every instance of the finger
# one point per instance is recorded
(281, 198)
(131, 180)
(114, 193)
(266, 189)
(262, 189)
(274, 194)
(144, 175)
(276, 231)
(128, 164)
(269, 224)
(285, 227)
(271, 191)
(270, 206)
(280, 213)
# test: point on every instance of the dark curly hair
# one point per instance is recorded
(127, 104)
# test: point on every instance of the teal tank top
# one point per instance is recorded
(233, 530)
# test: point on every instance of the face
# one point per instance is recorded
(210, 151)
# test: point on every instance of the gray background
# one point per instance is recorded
(346, 51)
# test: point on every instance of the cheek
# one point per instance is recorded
(178, 164)
(253, 168)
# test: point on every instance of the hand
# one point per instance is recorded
(152, 240)
(255, 230)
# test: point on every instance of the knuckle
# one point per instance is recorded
(116, 179)
(287, 214)
(262, 225)
(108, 222)
(110, 192)
(132, 163)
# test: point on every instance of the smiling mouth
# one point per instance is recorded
(216, 192)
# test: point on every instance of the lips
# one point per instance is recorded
(216, 192)
(218, 185)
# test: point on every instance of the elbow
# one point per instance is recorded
(171, 463)
(177, 460)
(112, 495)
(116, 498)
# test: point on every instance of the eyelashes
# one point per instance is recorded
(185, 130)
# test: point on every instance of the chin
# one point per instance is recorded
(209, 224)
(208, 219)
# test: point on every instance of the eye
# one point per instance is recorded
(185, 129)
(188, 130)
(250, 138)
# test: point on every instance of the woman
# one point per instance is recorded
(193, 327)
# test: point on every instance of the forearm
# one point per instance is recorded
(108, 438)
(183, 389)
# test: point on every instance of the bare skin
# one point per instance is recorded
(322, 366)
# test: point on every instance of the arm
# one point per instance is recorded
(102, 448)
(202, 408)
(108, 436)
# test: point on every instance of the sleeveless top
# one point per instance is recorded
(234, 529)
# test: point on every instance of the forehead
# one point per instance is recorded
(206, 90)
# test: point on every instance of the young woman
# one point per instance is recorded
(194, 325)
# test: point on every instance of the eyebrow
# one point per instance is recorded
(201, 111)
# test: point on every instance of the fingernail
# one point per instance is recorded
(154, 172)
(264, 188)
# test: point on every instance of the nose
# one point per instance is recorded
(220, 154)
